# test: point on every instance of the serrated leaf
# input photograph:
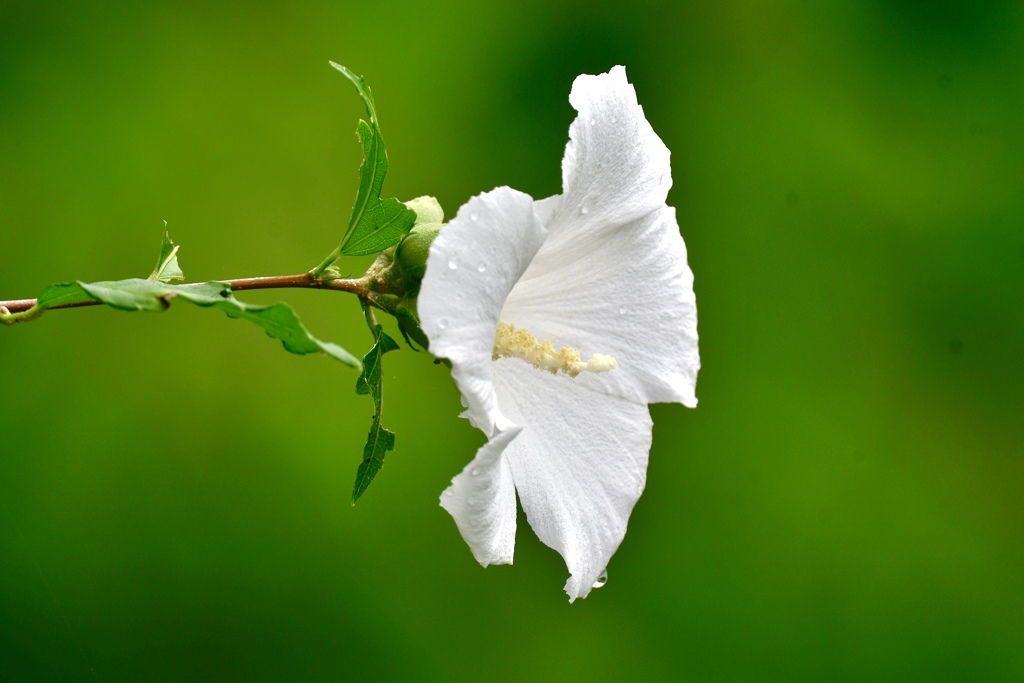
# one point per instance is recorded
(370, 379)
(167, 268)
(379, 441)
(375, 224)
(279, 320)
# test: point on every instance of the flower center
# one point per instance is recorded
(513, 342)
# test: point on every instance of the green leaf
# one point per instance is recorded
(279, 321)
(369, 381)
(379, 441)
(375, 224)
(64, 294)
(167, 268)
(136, 294)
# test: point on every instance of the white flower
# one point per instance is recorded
(600, 270)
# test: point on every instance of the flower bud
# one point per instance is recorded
(428, 210)
(413, 251)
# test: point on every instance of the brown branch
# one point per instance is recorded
(306, 280)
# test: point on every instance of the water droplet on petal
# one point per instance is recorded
(584, 210)
(475, 472)
(622, 310)
(442, 323)
(453, 262)
(474, 216)
(602, 579)
(481, 267)
(592, 121)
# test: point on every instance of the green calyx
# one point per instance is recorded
(413, 251)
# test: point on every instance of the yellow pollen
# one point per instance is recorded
(513, 342)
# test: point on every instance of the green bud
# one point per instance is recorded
(427, 209)
(413, 251)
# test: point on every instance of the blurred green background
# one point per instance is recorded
(845, 504)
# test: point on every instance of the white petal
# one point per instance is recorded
(473, 265)
(482, 500)
(546, 209)
(615, 169)
(626, 292)
(579, 465)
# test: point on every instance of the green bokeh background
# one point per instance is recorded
(845, 504)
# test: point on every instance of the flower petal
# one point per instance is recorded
(482, 499)
(473, 264)
(579, 465)
(625, 292)
(616, 168)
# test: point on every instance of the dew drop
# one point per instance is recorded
(475, 472)
(442, 323)
(481, 267)
(453, 262)
(474, 216)
(592, 121)
(584, 210)
(602, 579)
(622, 310)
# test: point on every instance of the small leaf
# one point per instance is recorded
(136, 294)
(369, 381)
(379, 441)
(63, 294)
(167, 268)
(375, 224)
